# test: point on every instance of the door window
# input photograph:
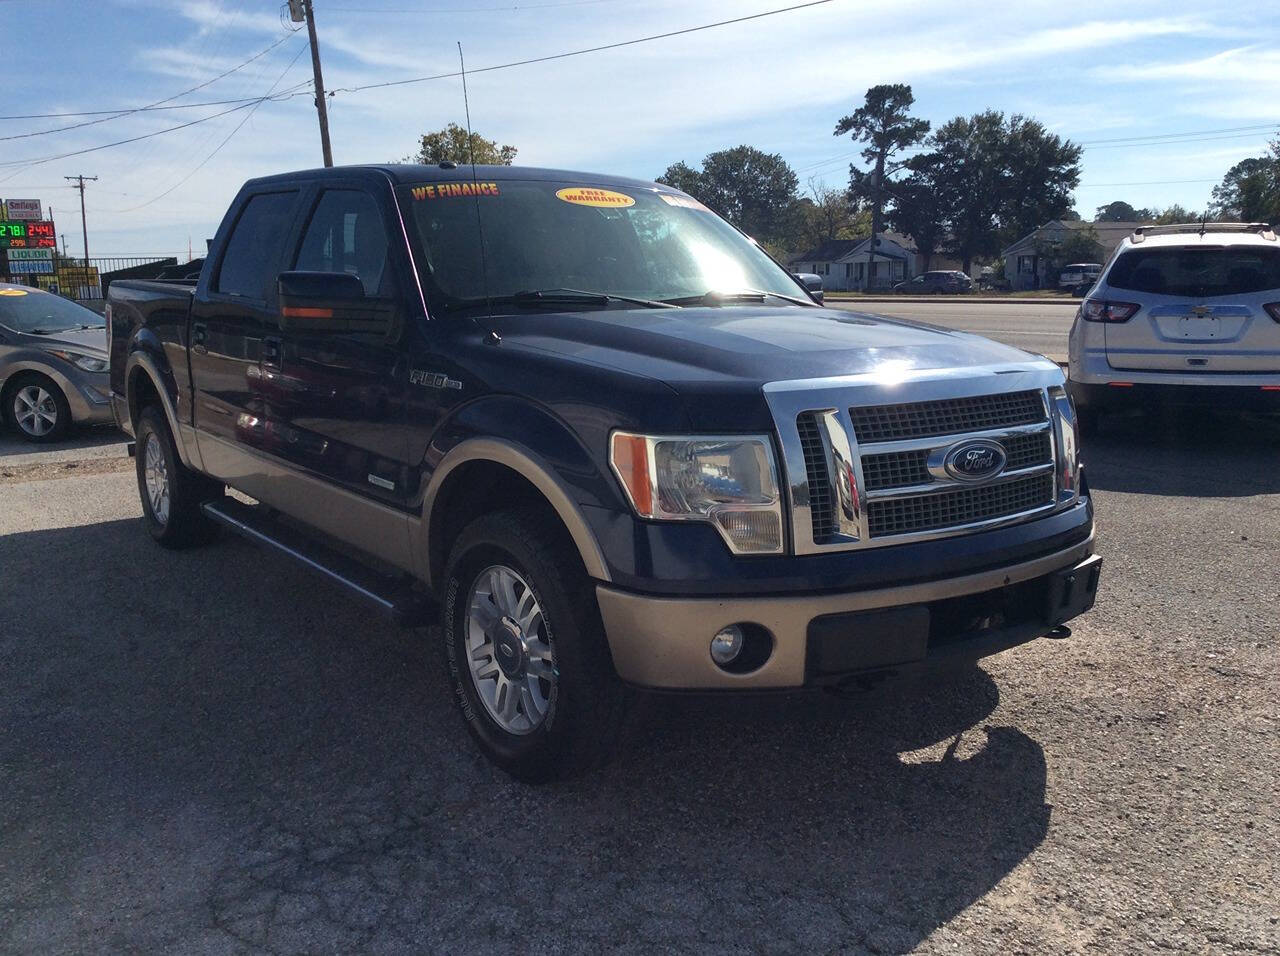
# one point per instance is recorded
(346, 235)
(252, 258)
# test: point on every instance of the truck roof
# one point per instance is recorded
(405, 173)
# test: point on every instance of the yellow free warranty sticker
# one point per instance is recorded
(586, 196)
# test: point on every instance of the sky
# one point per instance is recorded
(1117, 76)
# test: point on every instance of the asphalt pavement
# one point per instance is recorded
(1037, 325)
(214, 752)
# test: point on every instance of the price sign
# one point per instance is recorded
(27, 235)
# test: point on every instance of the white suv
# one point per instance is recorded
(1182, 315)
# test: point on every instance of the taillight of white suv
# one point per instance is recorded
(1100, 310)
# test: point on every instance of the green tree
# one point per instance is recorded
(754, 190)
(1079, 245)
(997, 179)
(885, 124)
(1250, 191)
(824, 214)
(450, 145)
(1175, 214)
(1120, 211)
(916, 210)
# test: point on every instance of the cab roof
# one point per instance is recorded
(411, 173)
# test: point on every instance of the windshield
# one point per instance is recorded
(1197, 273)
(634, 243)
(29, 310)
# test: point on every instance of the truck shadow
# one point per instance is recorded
(239, 756)
(1185, 452)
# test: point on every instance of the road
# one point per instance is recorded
(214, 752)
(1035, 325)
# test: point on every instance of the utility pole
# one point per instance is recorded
(300, 10)
(80, 181)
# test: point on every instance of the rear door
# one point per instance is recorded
(1202, 308)
(233, 320)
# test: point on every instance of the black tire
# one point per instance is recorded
(184, 525)
(587, 702)
(15, 390)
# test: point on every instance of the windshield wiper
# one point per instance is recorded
(48, 331)
(714, 296)
(555, 296)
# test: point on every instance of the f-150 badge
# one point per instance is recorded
(432, 379)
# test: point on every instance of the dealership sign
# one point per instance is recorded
(24, 209)
(30, 262)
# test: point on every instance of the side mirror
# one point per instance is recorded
(330, 302)
(811, 282)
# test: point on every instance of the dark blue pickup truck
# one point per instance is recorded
(601, 437)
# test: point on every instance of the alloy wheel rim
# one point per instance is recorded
(509, 652)
(156, 475)
(35, 410)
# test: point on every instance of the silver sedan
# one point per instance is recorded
(53, 364)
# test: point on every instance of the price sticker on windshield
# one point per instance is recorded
(585, 196)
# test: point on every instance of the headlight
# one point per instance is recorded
(729, 482)
(87, 362)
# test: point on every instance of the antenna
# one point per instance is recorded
(475, 194)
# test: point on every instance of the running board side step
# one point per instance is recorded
(394, 597)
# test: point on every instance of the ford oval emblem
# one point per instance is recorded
(975, 460)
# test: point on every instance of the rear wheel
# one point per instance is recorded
(171, 493)
(36, 407)
(526, 650)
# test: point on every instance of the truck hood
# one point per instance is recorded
(717, 346)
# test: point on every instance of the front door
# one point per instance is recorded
(338, 396)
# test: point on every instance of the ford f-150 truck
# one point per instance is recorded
(602, 438)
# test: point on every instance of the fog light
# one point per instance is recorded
(727, 645)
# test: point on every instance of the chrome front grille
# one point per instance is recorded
(821, 503)
(864, 471)
(946, 509)
(896, 469)
(951, 416)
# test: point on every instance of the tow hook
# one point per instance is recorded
(1059, 633)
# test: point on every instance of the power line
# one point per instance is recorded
(37, 161)
(434, 11)
(218, 148)
(139, 109)
(1200, 132)
(149, 106)
(594, 49)
(1148, 182)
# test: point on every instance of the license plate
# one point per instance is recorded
(1072, 591)
(1199, 328)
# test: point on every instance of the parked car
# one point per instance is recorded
(936, 283)
(1078, 278)
(617, 446)
(53, 364)
(1182, 315)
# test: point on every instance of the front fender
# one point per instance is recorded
(538, 445)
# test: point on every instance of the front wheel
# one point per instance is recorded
(526, 650)
(36, 407)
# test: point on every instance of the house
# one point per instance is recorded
(848, 265)
(1026, 266)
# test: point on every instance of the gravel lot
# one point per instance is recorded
(212, 752)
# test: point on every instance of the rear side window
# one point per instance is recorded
(1197, 273)
(346, 235)
(252, 258)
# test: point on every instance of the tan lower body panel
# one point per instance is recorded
(664, 642)
(371, 527)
